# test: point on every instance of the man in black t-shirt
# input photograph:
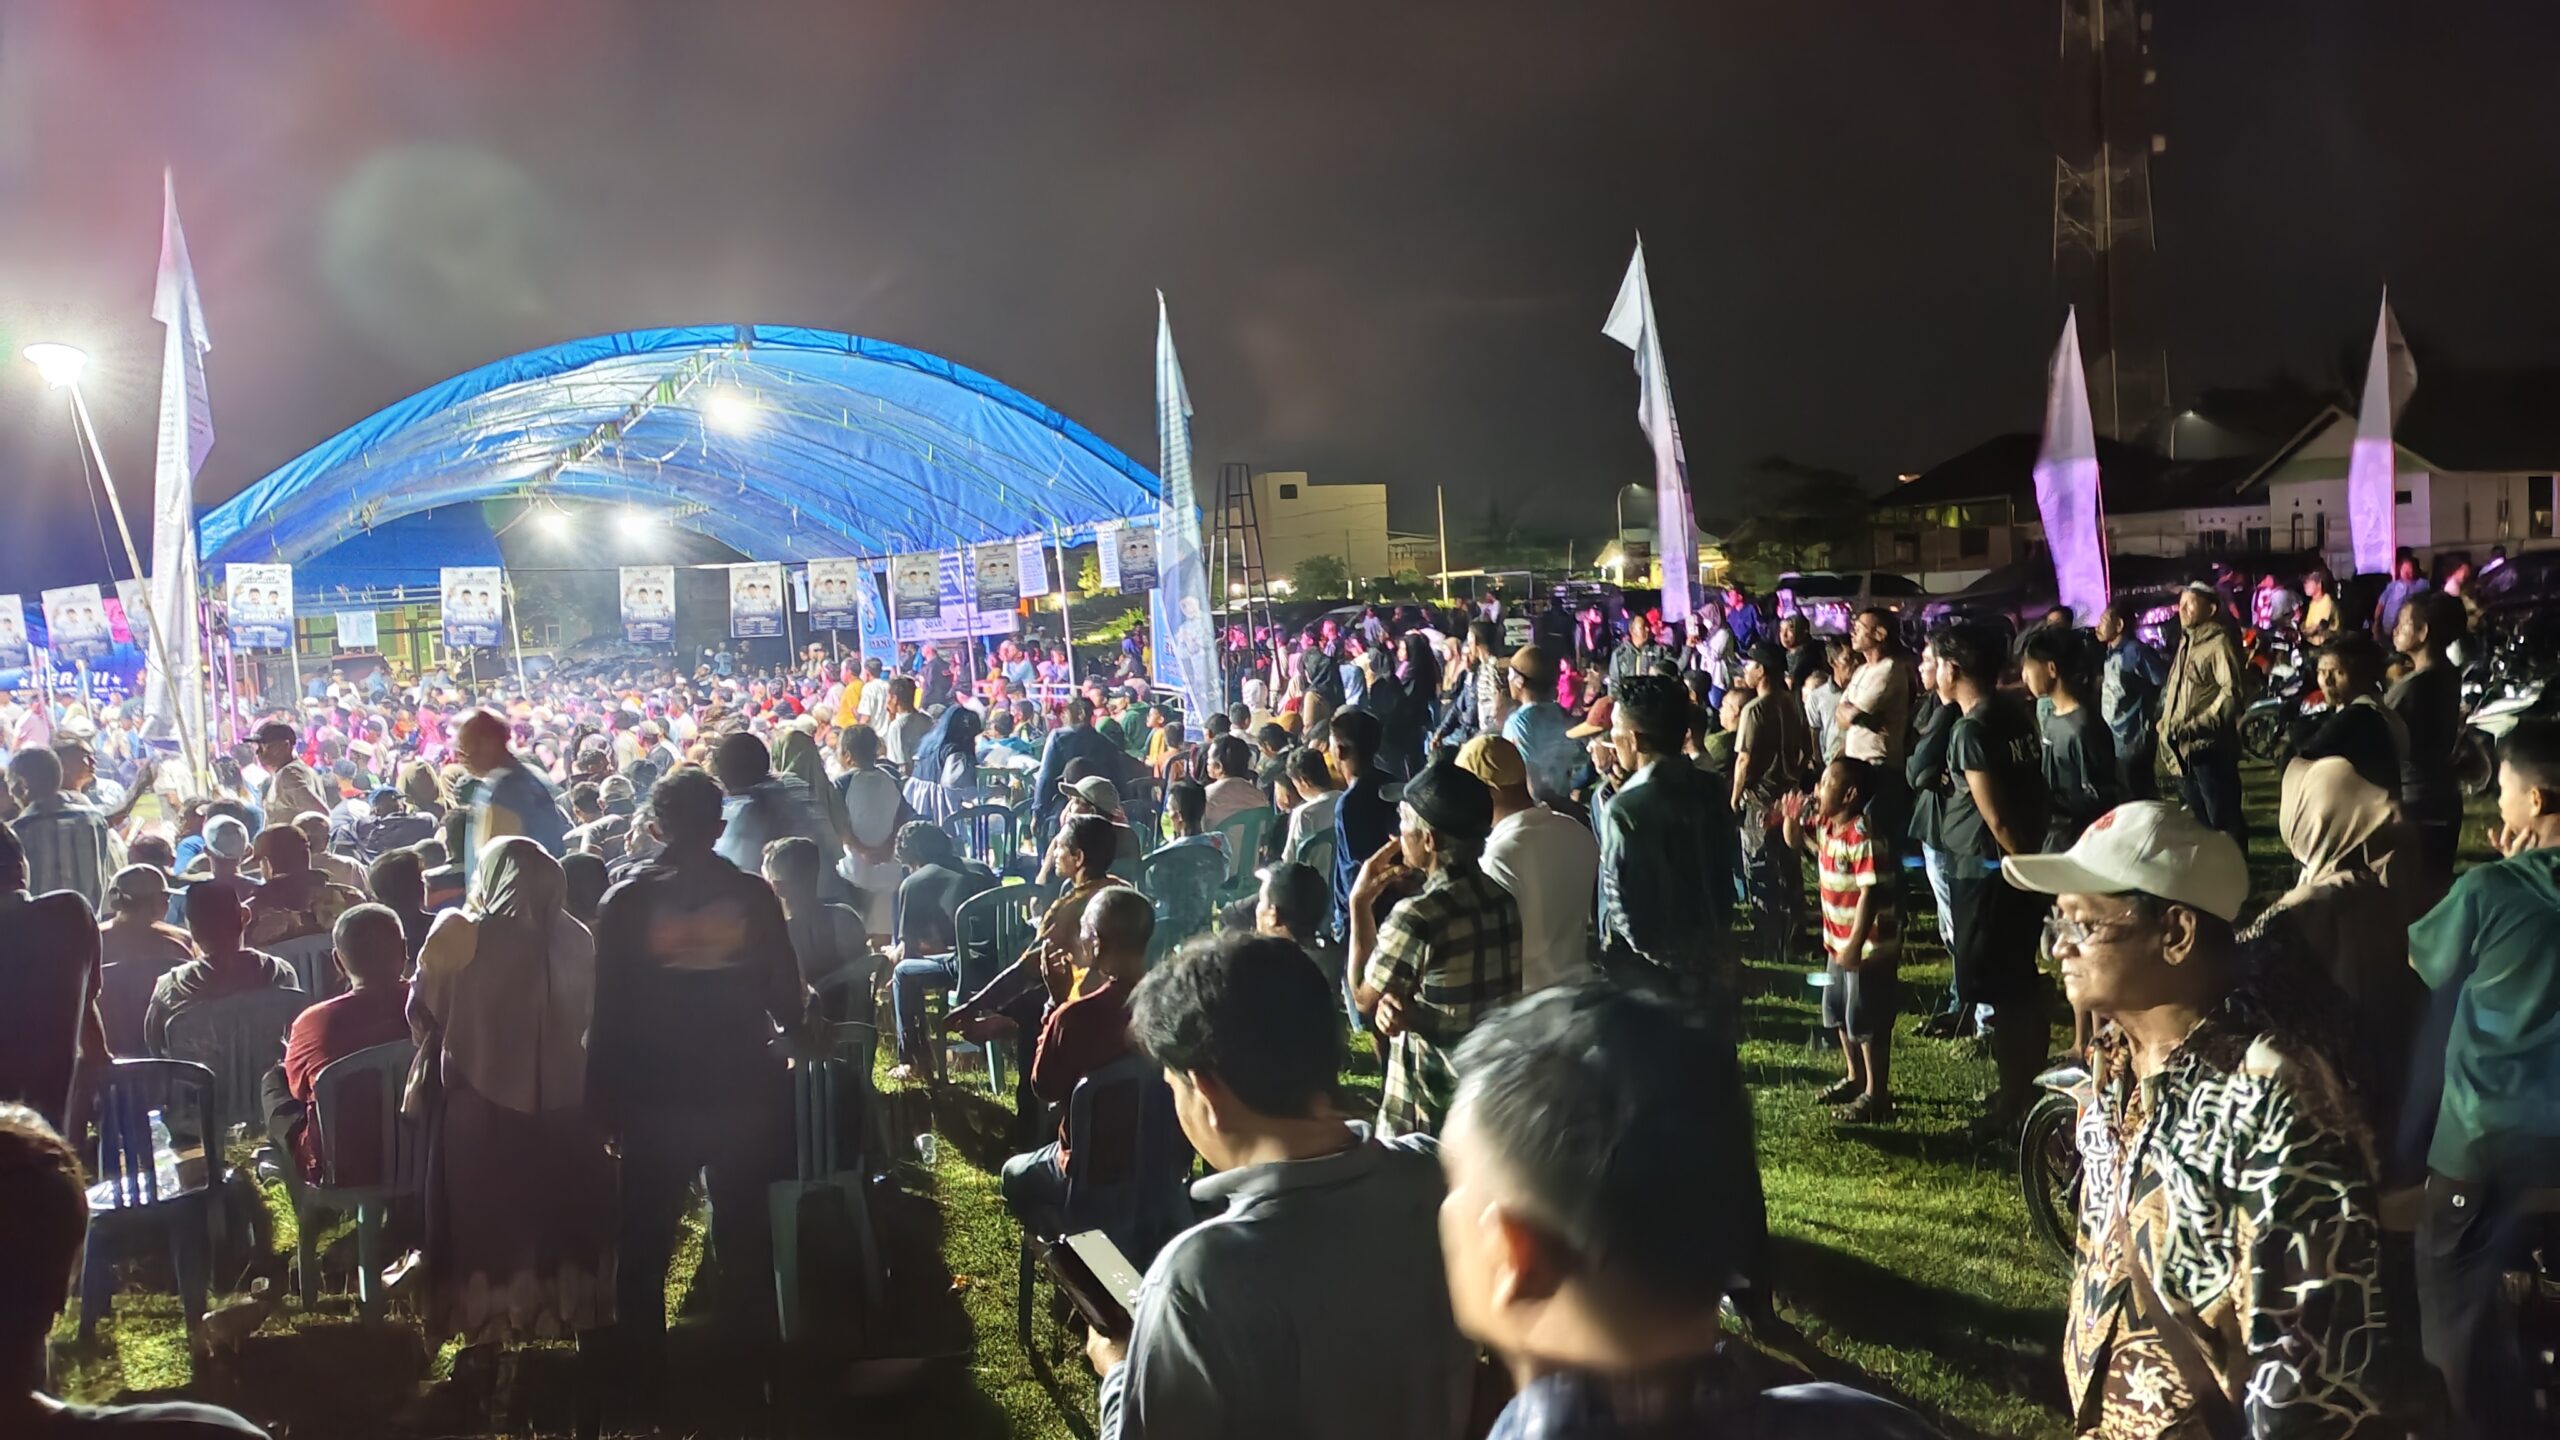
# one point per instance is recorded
(1995, 806)
(2428, 701)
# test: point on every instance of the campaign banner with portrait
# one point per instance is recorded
(259, 599)
(1106, 554)
(359, 630)
(75, 620)
(13, 633)
(835, 594)
(957, 615)
(130, 613)
(1137, 546)
(475, 599)
(878, 643)
(998, 578)
(1031, 564)
(648, 604)
(755, 600)
(915, 586)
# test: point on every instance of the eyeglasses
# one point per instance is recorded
(2061, 930)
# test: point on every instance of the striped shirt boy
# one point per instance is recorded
(1849, 862)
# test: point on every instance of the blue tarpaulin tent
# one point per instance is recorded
(780, 442)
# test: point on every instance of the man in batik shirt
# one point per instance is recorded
(2228, 1270)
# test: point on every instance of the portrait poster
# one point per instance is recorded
(475, 598)
(755, 600)
(13, 633)
(999, 582)
(648, 604)
(915, 586)
(259, 599)
(1137, 546)
(133, 601)
(835, 594)
(75, 617)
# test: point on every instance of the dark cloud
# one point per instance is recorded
(1388, 233)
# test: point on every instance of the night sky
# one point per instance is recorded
(1389, 232)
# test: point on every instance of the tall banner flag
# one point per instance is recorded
(2373, 481)
(1106, 554)
(878, 642)
(1631, 323)
(915, 586)
(648, 604)
(835, 594)
(755, 600)
(2075, 516)
(359, 630)
(1031, 564)
(137, 625)
(75, 623)
(1137, 546)
(173, 677)
(1186, 647)
(259, 600)
(13, 633)
(999, 577)
(475, 600)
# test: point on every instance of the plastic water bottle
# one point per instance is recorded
(927, 1148)
(164, 1156)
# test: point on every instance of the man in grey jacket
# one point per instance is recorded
(1315, 1303)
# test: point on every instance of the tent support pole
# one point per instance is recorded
(1066, 617)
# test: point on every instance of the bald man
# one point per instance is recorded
(508, 799)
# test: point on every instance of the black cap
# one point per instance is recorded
(1450, 800)
(1769, 657)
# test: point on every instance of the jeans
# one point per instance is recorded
(743, 1146)
(2138, 765)
(2470, 1235)
(1034, 1187)
(2209, 784)
(1775, 880)
(907, 986)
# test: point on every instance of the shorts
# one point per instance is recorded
(1861, 1003)
(1997, 926)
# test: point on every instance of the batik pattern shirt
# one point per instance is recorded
(1452, 956)
(2243, 1184)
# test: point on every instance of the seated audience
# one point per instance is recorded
(1186, 806)
(1243, 1327)
(223, 967)
(137, 947)
(924, 933)
(1592, 1230)
(371, 953)
(335, 868)
(49, 981)
(294, 901)
(1085, 1028)
(587, 878)
(398, 881)
(1306, 774)
(1231, 791)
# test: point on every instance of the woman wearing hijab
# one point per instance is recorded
(796, 755)
(945, 772)
(2343, 918)
(520, 1191)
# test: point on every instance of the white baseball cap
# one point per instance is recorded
(2144, 845)
(1097, 792)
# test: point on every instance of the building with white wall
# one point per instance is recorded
(1299, 518)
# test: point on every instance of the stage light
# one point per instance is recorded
(554, 524)
(60, 365)
(730, 411)
(638, 524)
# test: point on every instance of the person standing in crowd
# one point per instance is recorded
(2319, 615)
(50, 1026)
(1538, 729)
(872, 800)
(1805, 656)
(695, 979)
(1595, 1219)
(1073, 741)
(1085, 1027)
(520, 1198)
(1401, 734)
(2428, 701)
(511, 799)
(2355, 725)
(2405, 582)
(760, 807)
(1364, 819)
(1820, 693)
(1861, 935)
(64, 840)
(2487, 951)
(1874, 718)
(1667, 852)
(43, 1194)
(1995, 807)
(1467, 711)
(1446, 956)
(1772, 755)
(1638, 655)
(2200, 713)
(1231, 791)
(2129, 699)
(1307, 775)
(903, 727)
(1548, 863)
(1314, 1207)
(2229, 1242)
(2079, 753)
(291, 786)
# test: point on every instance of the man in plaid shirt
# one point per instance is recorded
(1447, 956)
(65, 840)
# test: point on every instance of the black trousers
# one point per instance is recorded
(741, 1148)
(2470, 1236)
(2209, 785)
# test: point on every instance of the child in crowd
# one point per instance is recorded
(1861, 934)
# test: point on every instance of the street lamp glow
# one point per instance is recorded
(60, 365)
(730, 411)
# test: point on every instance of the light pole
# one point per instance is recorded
(61, 367)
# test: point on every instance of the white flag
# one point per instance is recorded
(2075, 516)
(1186, 646)
(174, 684)
(1631, 323)
(2373, 481)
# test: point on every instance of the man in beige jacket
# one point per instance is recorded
(2200, 712)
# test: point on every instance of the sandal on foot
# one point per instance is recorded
(1867, 1109)
(1843, 1090)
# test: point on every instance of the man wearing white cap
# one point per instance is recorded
(2228, 1240)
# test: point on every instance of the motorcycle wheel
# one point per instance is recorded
(2049, 1173)
(2475, 764)
(2262, 736)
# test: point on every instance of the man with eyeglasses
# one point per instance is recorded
(2228, 1263)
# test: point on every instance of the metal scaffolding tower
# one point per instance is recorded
(1235, 559)
(2105, 249)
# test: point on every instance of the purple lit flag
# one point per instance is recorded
(1631, 324)
(2075, 520)
(2373, 480)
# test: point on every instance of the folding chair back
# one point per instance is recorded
(239, 1038)
(984, 833)
(1128, 1165)
(1183, 881)
(313, 958)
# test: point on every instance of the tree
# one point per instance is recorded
(1089, 577)
(1321, 577)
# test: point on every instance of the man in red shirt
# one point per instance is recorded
(1086, 1028)
(371, 952)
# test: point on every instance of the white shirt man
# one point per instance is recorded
(1549, 863)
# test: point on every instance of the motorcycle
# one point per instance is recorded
(2475, 751)
(2049, 1158)
(2266, 727)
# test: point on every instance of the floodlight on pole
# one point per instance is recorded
(730, 411)
(638, 524)
(554, 523)
(60, 365)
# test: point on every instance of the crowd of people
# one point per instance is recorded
(1536, 880)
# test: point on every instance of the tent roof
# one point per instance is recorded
(780, 442)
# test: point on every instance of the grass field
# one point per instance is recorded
(1903, 1263)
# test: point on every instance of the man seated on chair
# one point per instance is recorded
(1187, 805)
(42, 1193)
(1085, 1028)
(1231, 791)
(370, 951)
(49, 970)
(1314, 1304)
(214, 921)
(923, 932)
(295, 901)
(1081, 858)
